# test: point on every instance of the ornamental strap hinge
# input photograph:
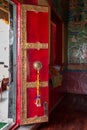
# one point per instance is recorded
(36, 45)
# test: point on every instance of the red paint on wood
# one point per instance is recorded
(33, 2)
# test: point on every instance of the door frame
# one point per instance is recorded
(18, 71)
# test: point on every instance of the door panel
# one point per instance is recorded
(35, 55)
(38, 30)
(34, 42)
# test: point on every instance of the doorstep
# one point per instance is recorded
(28, 127)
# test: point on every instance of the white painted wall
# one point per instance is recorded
(4, 48)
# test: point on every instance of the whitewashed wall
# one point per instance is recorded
(4, 49)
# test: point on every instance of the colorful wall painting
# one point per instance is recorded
(77, 32)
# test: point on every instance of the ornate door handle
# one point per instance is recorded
(37, 66)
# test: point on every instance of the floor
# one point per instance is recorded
(4, 110)
(4, 106)
(70, 114)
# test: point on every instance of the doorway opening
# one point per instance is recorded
(7, 64)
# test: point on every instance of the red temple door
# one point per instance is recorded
(34, 44)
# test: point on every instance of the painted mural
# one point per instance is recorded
(76, 76)
(77, 32)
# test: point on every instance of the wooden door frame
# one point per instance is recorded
(18, 72)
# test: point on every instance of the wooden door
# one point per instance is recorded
(34, 45)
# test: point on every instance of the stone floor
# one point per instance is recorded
(70, 114)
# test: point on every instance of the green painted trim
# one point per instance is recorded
(2, 125)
